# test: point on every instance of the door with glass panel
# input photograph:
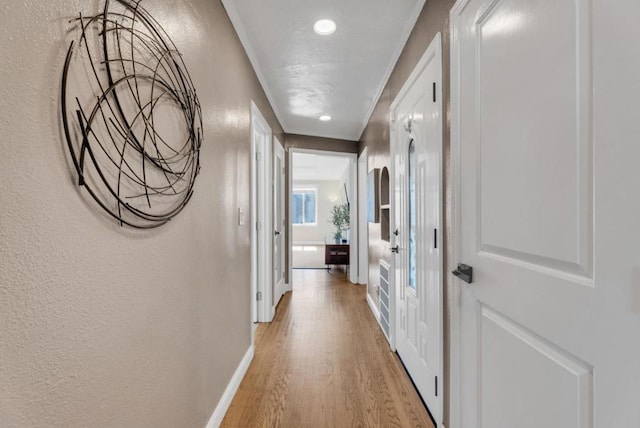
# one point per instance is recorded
(416, 145)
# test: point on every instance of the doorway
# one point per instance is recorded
(416, 172)
(320, 183)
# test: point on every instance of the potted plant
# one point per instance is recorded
(340, 219)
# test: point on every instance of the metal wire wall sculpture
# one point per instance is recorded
(131, 117)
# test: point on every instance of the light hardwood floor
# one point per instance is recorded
(324, 362)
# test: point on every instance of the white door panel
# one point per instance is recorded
(416, 207)
(519, 100)
(279, 225)
(261, 227)
(547, 212)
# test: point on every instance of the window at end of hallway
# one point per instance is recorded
(304, 208)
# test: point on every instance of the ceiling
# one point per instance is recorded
(306, 75)
(306, 166)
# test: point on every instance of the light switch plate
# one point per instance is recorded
(241, 216)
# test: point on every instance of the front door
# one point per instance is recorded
(546, 137)
(416, 165)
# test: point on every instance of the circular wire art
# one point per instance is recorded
(131, 117)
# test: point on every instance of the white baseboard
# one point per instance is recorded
(372, 306)
(230, 391)
(287, 287)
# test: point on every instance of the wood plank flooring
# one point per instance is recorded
(324, 362)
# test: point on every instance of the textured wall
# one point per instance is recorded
(102, 326)
(434, 18)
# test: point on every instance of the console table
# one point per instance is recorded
(336, 254)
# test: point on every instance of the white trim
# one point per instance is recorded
(287, 287)
(434, 48)
(454, 290)
(374, 309)
(234, 17)
(279, 292)
(353, 204)
(354, 247)
(363, 226)
(289, 197)
(406, 32)
(230, 390)
(455, 310)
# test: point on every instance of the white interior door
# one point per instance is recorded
(545, 136)
(262, 231)
(416, 168)
(279, 226)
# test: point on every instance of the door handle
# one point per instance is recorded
(395, 249)
(464, 272)
(277, 233)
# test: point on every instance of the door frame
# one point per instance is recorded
(353, 207)
(363, 226)
(279, 288)
(261, 222)
(434, 49)
(455, 237)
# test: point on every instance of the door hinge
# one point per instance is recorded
(259, 295)
(407, 125)
(434, 92)
(435, 239)
(436, 386)
(258, 226)
(259, 156)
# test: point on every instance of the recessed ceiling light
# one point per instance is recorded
(325, 118)
(324, 27)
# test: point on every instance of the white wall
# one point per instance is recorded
(330, 193)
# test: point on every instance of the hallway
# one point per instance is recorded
(324, 362)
